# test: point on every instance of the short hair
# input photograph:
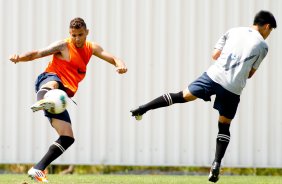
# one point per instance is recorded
(77, 23)
(265, 17)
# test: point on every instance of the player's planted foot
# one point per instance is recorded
(137, 113)
(37, 175)
(214, 172)
(43, 104)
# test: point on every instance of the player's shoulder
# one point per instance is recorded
(89, 43)
(60, 43)
(234, 31)
(238, 29)
(95, 45)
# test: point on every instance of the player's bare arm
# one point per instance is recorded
(55, 48)
(102, 54)
(216, 53)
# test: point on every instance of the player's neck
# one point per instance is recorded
(255, 27)
(259, 29)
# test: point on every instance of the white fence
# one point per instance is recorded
(166, 44)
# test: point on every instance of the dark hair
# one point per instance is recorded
(265, 17)
(77, 23)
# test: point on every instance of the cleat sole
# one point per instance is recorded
(42, 106)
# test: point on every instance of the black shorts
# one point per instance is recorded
(225, 102)
(43, 79)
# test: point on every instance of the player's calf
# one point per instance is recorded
(162, 101)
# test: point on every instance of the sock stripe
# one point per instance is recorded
(164, 96)
(224, 137)
(169, 99)
(59, 146)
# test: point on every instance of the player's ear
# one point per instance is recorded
(269, 27)
(87, 31)
(266, 26)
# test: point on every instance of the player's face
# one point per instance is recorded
(78, 36)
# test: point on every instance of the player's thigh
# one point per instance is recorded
(47, 80)
(51, 84)
(201, 88)
(226, 103)
(188, 96)
(62, 127)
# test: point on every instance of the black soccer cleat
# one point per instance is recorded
(214, 172)
(137, 113)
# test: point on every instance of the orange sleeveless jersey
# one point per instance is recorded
(73, 71)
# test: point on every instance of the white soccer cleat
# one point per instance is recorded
(44, 104)
(37, 175)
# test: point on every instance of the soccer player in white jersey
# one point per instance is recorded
(237, 54)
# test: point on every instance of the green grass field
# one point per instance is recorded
(140, 179)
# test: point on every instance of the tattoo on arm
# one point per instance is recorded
(52, 49)
(28, 56)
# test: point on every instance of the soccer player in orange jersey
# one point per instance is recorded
(66, 69)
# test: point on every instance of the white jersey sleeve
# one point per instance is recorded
(263, 53)
(221, 42)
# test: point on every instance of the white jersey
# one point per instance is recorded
(242, 49)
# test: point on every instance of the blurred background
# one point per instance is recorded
(166, 44)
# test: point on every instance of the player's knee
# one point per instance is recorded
(187, 95)
(224, 120)
(65, 141)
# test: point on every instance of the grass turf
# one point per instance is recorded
(139, 179)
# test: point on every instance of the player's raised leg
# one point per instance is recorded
(163, 101)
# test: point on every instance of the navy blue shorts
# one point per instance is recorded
(225, 102)
(43, 79)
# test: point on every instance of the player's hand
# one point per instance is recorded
(15, 58)
(121, 69)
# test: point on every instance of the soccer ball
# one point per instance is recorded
(60, 100)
